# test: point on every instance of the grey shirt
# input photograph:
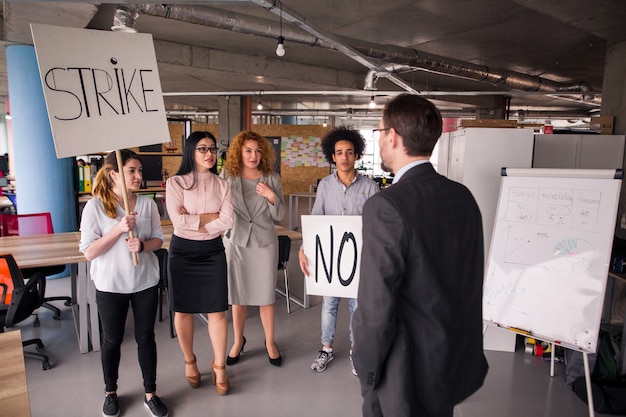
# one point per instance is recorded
(334, 198)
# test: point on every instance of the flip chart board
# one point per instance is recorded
(550, 253)
(332, 244)
(102, 89)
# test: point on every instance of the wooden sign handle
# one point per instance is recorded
(131, 234)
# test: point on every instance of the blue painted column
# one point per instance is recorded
(42, 182)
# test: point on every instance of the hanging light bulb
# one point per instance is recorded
(280, 49)
(259, 106)
(325, 123)
(372, 103)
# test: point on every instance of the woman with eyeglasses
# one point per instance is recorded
(252, 244)
(199, 205)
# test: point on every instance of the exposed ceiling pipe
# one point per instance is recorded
(372, 56)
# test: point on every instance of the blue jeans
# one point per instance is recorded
(329, 318)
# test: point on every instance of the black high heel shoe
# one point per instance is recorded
(232, 361)
(274, 361)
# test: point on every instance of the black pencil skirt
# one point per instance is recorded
(198, 280)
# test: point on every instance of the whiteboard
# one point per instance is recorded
(550, 252)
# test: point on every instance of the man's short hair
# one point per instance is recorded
(417, 120)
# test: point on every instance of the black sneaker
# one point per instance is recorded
(156, 406)
(111, 407)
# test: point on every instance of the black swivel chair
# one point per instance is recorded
(25, 298)
(284, 246)
(162, 255)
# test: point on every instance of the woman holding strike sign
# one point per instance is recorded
(107, 242)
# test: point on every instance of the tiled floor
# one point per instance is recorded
(518, 385)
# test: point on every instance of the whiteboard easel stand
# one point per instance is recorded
(587, 378)
(552, 359)
(588, 384)
(120, 168)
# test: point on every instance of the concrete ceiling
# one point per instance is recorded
(560, 43)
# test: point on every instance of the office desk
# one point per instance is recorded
(13, 389)
(60, 249)
(294, 208)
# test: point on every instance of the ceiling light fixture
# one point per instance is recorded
(260, 105)
(280, 49)
(325, 123)
(372, 103)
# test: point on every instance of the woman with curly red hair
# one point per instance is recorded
(252, 244)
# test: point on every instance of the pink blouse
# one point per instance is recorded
(210, 195)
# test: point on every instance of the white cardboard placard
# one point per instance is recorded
(102, 89)
(333, 247)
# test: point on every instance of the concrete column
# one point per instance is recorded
(42, 182)
(614, 87)
(231, 111)
(614, 99)
(614, 104)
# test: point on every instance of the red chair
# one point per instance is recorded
(26, 224)
(34, 224)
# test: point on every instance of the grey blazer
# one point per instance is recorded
(418, 329)
(260, 221)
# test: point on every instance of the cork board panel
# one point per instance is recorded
(297, 178)
(206, 127)
(177, 135)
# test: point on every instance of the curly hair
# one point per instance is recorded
(234, 162)
(343, 133)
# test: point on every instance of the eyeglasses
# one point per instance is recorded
(376, 132)
(205, 149)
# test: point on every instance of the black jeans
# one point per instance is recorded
(113, 308)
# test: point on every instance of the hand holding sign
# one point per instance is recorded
(332, 248)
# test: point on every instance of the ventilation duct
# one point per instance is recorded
(380, 60)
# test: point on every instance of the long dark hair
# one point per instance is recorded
(188, 163)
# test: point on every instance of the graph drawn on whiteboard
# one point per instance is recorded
(549, 257)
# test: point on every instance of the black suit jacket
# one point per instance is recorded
(418, 328)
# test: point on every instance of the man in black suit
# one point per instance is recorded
(418, 344)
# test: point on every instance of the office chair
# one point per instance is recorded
(34, 224)
(22, 298)
(162, 256)
(284, 246)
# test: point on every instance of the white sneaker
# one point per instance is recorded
(322, 359)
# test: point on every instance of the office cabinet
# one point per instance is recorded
(475, 159)
(579, 151)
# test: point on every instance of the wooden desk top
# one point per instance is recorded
(62, 248)
(13, 389)
(43, 250)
